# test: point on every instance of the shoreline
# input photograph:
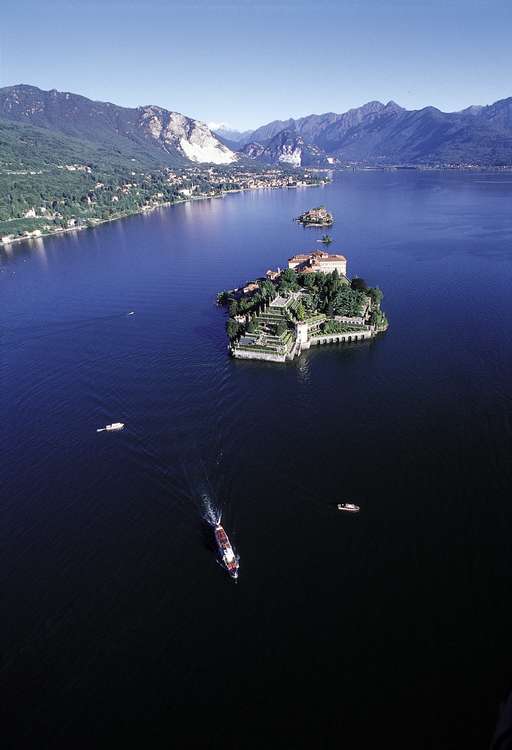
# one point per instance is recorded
(145, 210)
(99, 222)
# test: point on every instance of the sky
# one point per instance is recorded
(246, 63)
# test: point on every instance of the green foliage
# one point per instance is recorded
(378, 318)
(281, 328)
(334, 326)
(300, 311)
(346, 301)
(267, 289)
(288, 276)
(308, 280)
(331, 294)
(251, 327)
(326, 239)
(233, 328)
(310, 302)
(375, 295)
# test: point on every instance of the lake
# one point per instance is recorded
(390, 626)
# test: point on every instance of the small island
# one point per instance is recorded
(316, 217)
(312, 302)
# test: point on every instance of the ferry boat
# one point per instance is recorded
(112, 427)
(228, 557)
(349, 507)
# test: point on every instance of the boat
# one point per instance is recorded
(228, 557)
(112, 427)
(349, 507)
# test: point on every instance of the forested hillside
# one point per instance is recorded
(50, 182)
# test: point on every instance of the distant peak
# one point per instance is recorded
(373, 105)
(473, 109)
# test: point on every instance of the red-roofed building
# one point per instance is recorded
(318, 260)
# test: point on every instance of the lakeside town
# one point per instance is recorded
(309, 303)
(95, 198)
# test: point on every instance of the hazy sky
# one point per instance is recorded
(246, 63)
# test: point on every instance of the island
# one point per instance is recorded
(316, 217)
(312, 302)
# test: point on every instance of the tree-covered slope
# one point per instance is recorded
(48, 180)
(27, 147)
(170, 137)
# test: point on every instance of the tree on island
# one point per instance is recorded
(375, 295)
(300, 311)
(267, 289)
(288, 281)
(232, 328)
(326, 239)
(288, 276)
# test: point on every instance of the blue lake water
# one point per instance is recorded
(392, 626)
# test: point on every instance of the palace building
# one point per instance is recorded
(318, 261)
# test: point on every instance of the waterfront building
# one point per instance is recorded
(251, 287)
(273, 275)
(318, 260)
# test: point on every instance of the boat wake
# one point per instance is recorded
(211, 515)
(209, 496)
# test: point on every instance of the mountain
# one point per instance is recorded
(385, 134)
(223, 131)
(498, 114)
(320, 135)
(287, 147)
(429, 136)
(161, 135)
(313, 126)
(373, 134)
(266, 132)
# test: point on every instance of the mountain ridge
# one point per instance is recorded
(374, 134)
(175, 138)
(383, 134)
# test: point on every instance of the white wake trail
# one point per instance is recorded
(212, 515)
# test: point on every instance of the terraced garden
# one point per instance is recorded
(276, 320)
(269, 332)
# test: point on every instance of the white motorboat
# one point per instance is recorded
(349, 507)
(112, 427)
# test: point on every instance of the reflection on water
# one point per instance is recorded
(37, 246)
(303, 370)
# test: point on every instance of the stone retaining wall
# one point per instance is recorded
(265, 356)
(337, 338)
(333, 338)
